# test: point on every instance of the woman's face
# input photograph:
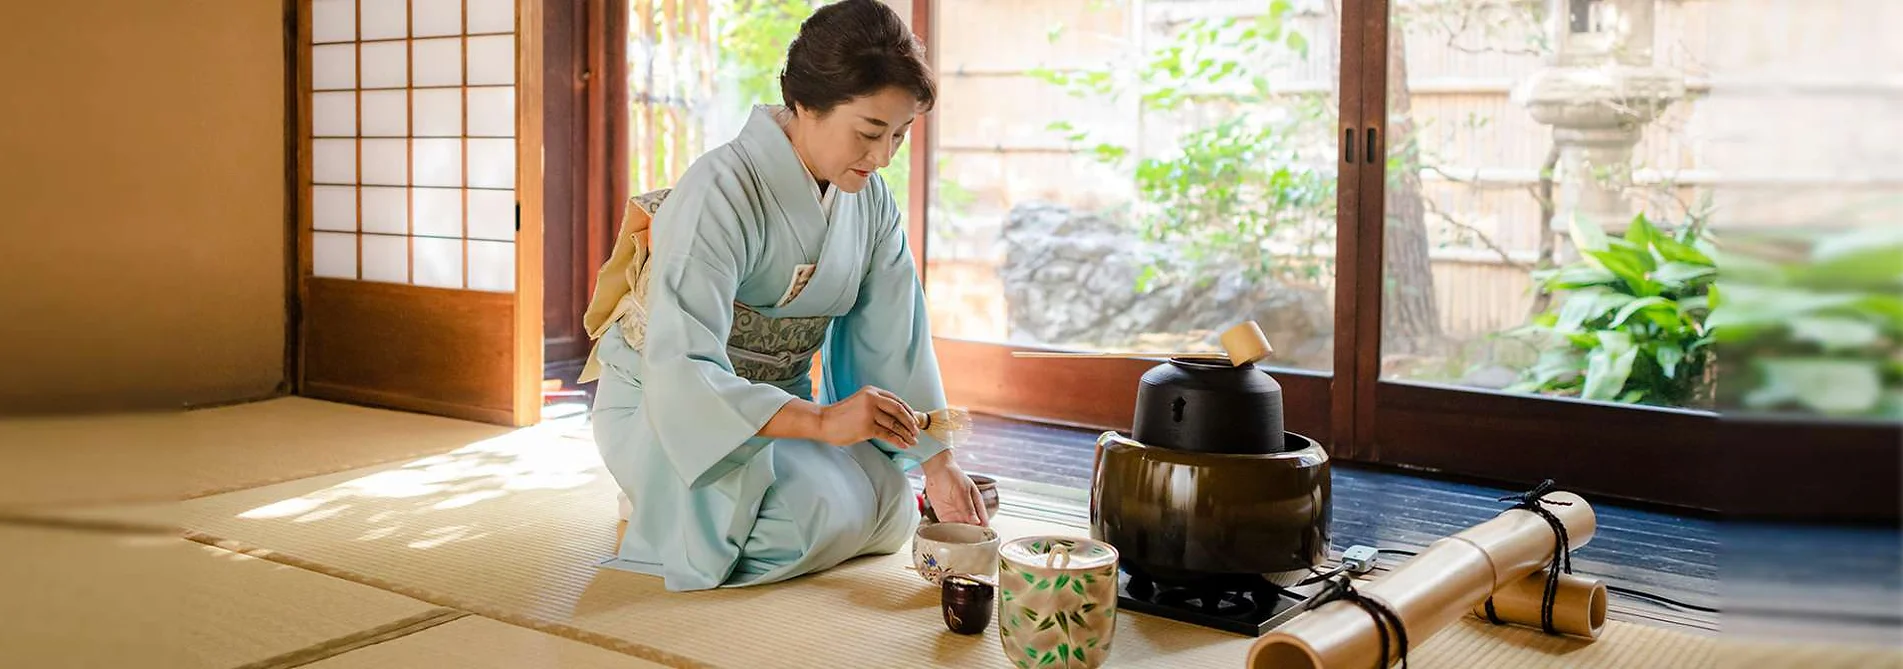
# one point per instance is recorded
(846, 145)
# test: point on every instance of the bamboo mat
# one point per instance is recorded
(512, 529)
(480, 643)
(90, 599)
(150, 457)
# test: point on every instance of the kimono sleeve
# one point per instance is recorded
(706, 418)
(885, 341)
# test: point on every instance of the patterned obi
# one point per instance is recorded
(774, 350)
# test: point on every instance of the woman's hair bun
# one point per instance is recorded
(851, 49)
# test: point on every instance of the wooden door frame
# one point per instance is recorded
(1357, 318)
(531, 35)
(924, 136)
(597, 187)
(297, 142)
(298, 177)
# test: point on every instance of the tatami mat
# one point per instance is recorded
(480, 643)
(151, 457)
(512, 529)
(89, 599)
(1472, 642)
(1808, 655)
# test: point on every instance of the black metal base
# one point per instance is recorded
(1250, 612)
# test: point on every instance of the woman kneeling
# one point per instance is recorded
(779, 245)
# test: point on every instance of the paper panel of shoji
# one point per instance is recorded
(413, 107)
(492, 111)
(333, 21)
(491, 16)
(492, 214)
(386, 258)
(334, 255)
(439, 62)
(438, 262)
(334, 114)
(385, 113)
(436, 18)
(437, 112)
(439, 212)
(386, 211)
(334, 208)
(492, 266)
(383, 19)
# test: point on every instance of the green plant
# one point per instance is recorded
(1235, 189)
(1632, 326)
(753, 43)
(1814, 324)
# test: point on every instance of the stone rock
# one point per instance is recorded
(1070, 279)
(1490, 376)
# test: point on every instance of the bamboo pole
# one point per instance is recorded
(1428, 592)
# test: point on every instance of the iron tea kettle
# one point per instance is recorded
(1209, 407)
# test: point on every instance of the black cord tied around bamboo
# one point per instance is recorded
(1562, 551)
(1386, 621)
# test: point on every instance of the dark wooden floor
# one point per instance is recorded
(1795, 572)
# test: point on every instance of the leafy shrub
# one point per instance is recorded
(1812, 324)
(1632, 326)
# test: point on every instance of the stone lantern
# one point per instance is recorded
(1598, 90)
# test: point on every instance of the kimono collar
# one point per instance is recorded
(766, 139)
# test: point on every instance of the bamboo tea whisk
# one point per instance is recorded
(949, 425)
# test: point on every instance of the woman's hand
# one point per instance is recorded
(871, 413)
(953, 495)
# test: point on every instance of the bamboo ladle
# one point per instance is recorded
(1241, 345)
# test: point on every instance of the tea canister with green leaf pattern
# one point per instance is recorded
(1057, 601)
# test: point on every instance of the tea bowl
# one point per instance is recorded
(945, 549)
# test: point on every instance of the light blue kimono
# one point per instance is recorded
(676, 415)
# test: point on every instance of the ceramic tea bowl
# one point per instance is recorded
(945, 549)
(1057, 601)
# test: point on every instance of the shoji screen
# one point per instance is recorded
(416, 234)
(413, 142)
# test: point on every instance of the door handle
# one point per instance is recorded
(1348, 145)
(1374, 154)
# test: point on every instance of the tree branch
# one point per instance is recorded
(1505, 257)
(1466, 19)
(1432, 208)
(1444, 174)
